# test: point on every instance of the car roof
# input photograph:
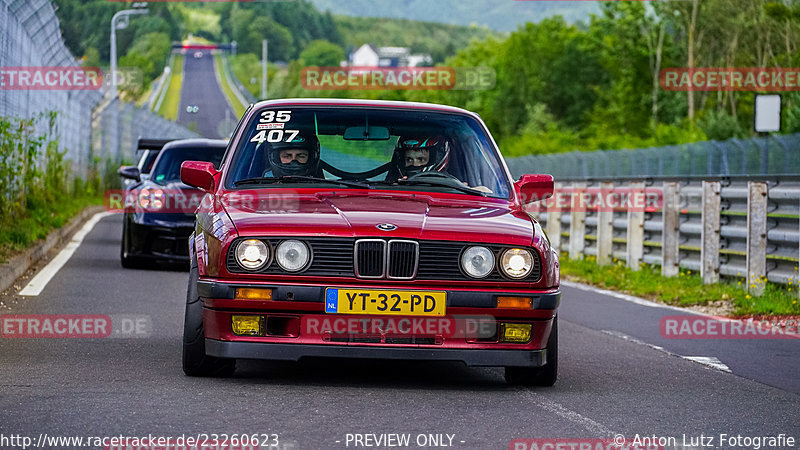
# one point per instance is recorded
(196, 142)
(361, 103)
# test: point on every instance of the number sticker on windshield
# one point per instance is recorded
(275, 136)
(272, 116)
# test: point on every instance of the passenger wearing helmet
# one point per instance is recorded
(300, 157)
(417, 154)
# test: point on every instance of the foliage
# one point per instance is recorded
(684, 290)
(148, 55)
(322, 53)
(438, 40)
(39, 192)
(288, 26)
(237, 106)
(87, 24)
(498, 15)
(172, 98)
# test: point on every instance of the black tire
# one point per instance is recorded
(127, 261)
(538, 376)
(195, 361)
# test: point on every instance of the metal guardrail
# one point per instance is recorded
(726, 226)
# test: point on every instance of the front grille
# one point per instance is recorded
(440, 260)
(423, 260)
(403, 257)
(332, 257)
(369, 256)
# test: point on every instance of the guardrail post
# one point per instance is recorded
(669, 236)
(634, 248)
(553, 226)
(605, 224)
(756, 236)
(577, 226)
(709, 233)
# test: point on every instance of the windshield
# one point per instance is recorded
(414, 150)
(147, 160)
(168, 165)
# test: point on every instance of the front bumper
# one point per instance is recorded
(294, 352)
(297, 327)
(162, 240)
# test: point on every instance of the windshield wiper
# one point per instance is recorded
(465, 189)
(300, 179)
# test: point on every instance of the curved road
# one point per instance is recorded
(611, 381)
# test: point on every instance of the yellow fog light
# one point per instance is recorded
(246, 325)
(253, 294)
(516, 333)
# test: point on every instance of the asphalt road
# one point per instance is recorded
(214, 117)
(607, 384)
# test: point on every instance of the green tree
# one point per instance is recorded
(322, 53)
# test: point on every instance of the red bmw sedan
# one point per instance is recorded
(369, 229)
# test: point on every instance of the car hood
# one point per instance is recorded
(416, 216)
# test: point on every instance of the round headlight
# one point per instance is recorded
(516, 262)
(292, 255)
(252, 254)
(477, 262)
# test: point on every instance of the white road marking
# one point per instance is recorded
(708, 361)
(594, 428)
(38, 283)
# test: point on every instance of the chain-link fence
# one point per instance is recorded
(88, 124)
(773, 155)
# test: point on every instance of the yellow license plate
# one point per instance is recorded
(385, 302)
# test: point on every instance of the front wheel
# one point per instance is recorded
(538, 376)
(195, 361)
(128, 261)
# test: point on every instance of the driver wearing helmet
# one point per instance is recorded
(418, 154)
(300, 157)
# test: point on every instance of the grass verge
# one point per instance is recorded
(238, 108)
(172, 99)
(39, 222)
(687, 289)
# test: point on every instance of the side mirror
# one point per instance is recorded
(199, 174)
(532, 188)
(130, 172)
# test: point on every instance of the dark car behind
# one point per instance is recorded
(159, 212)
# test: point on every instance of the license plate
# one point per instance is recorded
(385, 302)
